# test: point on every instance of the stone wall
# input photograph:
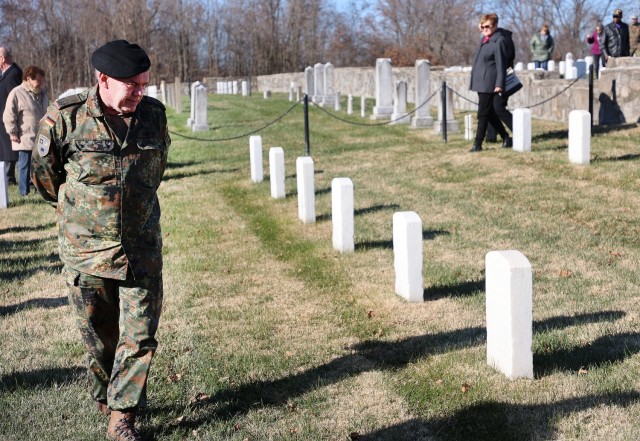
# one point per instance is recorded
(618, 89)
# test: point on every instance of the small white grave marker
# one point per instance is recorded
(255, 158)
(350, 105)
(468, 127)
(579, 137)
(407, 253)
(276, 172)
(342, 214)
(522, 130)
(4, 186)
(306, 190)
(509, 313)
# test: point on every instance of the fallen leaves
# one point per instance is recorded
(465, 387)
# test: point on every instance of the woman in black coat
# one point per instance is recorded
(488, 79)
(11, 77)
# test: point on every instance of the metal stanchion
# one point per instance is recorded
(591, 75)
(306, 125)
(444, 111)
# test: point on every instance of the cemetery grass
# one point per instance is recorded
(268, 333)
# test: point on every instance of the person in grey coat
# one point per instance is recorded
(488, 79)
(11, 77)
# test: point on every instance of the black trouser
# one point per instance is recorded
(487, 114)
(500, 107)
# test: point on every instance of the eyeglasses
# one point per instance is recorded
(486, 27)
(132, 85)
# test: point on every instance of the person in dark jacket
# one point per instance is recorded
(11, 77)
(488, 79)
(615, 38)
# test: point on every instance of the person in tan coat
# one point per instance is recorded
(26, 105)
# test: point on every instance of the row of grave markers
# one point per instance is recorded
(579, 133)
(508, 273)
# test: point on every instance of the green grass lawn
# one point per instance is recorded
(268, 333)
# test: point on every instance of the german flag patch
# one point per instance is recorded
(50, 121)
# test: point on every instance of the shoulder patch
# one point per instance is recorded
(153, 101)
(70, 100)
(43, 144)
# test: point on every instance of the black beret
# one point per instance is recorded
(120, 59)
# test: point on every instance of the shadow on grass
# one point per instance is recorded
(188, 174)
(317, 192)
(44, 303)
(20, 267)
(564, 321)
(26, 229)
(463, 289)
(364, 357)
(604, 350)
(40, 378)
(388, 244)
(564, 133)
(628, 157)
(495, 420)
(361, 211)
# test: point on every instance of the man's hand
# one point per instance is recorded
(15, 138)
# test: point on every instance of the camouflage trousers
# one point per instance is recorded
(118, 320)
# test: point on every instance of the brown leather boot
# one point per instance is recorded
(122, 427)
(103, 408)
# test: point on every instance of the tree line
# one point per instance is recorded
(192, 39)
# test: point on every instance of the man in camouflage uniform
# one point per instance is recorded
(634, 37)
(99, 159)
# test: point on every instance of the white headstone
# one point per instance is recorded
(276, 172)
(568, 69)
(163, 92)
(452, 123)
(255, 158)
(4, 186)
(152, 91)
(234, 87)
(469, 133)
(267, 94)
(580, 137)
(192, 113)
(318, 82)
(178, 95)
(342, 214)
(399, 115)
(363, 106)
(308, 76)
(422, 116)
(384, 90)
(519, 66)
(350, 105)
(245, 89)
(306, 190)
(292, 93)
(551, 65)
(509, 309)
(329, 96)
(200, 122)
(562, 68)
(531, 66)
(522, 130)
(407, 255)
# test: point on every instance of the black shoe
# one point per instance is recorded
(476, 148)
(507, 142)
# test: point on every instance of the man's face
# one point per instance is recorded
(122, 95)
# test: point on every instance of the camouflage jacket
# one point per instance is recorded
(104, 188)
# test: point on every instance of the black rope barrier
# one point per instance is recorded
(233, 138)
(354, 123)
(533, 105)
